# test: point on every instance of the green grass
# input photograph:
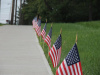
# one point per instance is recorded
(88, 44)
(1, 24)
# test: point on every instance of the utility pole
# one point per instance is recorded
(15, 12)
(12, 13)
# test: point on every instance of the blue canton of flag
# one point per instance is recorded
(45, 27)
(73, 56)
(71, 65)
(50, 32)
(58, 42)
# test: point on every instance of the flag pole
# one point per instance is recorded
(76, 39)
(43, 45)
(56, 69)
(51, 24)
(61, 31)
(48, 53)
(46, 20)
(61, 43)
(40, 38)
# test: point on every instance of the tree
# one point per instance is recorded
(61, 10)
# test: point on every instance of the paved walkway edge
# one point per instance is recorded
(44, 58)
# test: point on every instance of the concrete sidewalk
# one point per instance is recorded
(20, 52)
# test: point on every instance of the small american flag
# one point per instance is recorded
(55, 51)
(34, 22)
(48, 38)
(38, 27)
(43, 33)
(71, 65)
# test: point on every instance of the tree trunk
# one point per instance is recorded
(48, 6)
(20, 15)
(90, 11)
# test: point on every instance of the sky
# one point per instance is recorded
(5, 13)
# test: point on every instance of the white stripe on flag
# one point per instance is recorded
(79, 68)
(66, 67)
(63, 69)
(75, 69)
(55, 52)
(54, 56)
(47, 39)
(59, 72)
(71, 70)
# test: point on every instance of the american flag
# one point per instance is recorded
(43, 33)
(38, 27)
(48, 38)
(34, 22)
(55, 51)
(71, 65)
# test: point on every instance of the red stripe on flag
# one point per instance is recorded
(56, 57)
(51, 58)
(64, 68)
(80, 68)
(60, 70)
(56, 61)
(38, 31)
(69, 70)
(43, 34)
(59, 55)
(73, 69)
(57, 72)
(77, 69)
(48, 41)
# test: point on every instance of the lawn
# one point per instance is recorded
(88, 43)
(1, 24)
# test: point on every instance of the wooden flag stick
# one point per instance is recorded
(61, 31)
(43, 45)
(51, 24)
(40, 38)
(46, 20)
(56, 69)
(48, 53)
(76, 39)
